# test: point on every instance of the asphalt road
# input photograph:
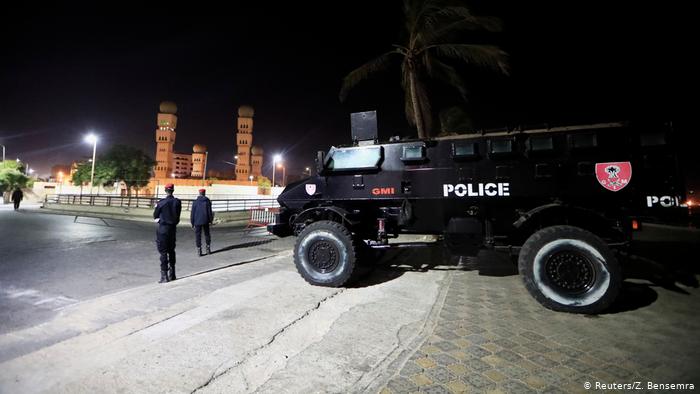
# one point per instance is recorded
(48, 261)
(80, 311)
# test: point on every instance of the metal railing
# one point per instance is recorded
(218, 205)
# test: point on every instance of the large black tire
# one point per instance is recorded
(326, 254)
(569, 269)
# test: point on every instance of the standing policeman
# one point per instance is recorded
(201, 217)
(167, 214)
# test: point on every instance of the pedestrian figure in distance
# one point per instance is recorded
(167, 215)
(201, 217)
(17, 196)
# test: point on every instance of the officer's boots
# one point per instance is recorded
(171, 273)
(199, 251)
(208, 249)
(163, 277)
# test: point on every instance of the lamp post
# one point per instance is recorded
(92, 139)
(60, 181)
(251, 179)
(3, 154)
(275, 159)
(204, 173)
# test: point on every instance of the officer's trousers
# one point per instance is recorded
(198, 235)
(165, 241)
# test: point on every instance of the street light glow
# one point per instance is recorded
(91, 138)
(277, 158)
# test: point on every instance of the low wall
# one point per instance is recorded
(141, 214)
(214, 191)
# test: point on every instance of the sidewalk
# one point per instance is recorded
(491, 336)
(253, 327)
(23, 206)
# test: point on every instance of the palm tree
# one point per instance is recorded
(432, 27)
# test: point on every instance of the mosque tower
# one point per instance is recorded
(165, 139)
(199, 160)
(256, 160)
(244, 140)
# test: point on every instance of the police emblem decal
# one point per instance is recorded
(310, 189)
(614, 176)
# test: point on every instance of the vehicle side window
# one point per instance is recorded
(501, 148)
(465, 150)
(361, 158)
(415, 153)
(652, 139)
(582, 141)
(540, 144)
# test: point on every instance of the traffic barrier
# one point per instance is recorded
(262, 216)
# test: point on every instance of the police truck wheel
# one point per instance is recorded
(569, 269)
(325, 254)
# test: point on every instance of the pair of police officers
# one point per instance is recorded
(167, 215)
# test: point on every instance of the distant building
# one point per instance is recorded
(182, 165)
(250, 158)
(175, 165)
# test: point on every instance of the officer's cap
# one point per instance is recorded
(169, 186)
(202, 190)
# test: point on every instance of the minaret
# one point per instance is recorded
(165, 139)
(199, 160)
(256, 161)
(244, 140)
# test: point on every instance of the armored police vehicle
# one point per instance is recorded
(562, 199)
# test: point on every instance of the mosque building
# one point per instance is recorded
(250, 158)
(179, 165)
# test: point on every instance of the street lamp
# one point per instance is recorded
(60, 181)
(3, 154)
(275, 159)
(92, 139)
(308, 171)
(204, 173)
(251, 179)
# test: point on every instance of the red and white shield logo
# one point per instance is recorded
(310, 189)
(614, 176)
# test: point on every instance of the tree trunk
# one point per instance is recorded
(417, 115)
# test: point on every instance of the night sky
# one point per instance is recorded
(64, 73)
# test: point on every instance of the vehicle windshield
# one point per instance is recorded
(356, 158)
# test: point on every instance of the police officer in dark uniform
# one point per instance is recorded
(201, 217)
(17, 196)
(167, 214)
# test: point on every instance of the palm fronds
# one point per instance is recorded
(365, 71)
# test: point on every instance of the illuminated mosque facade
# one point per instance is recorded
(172, 165)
